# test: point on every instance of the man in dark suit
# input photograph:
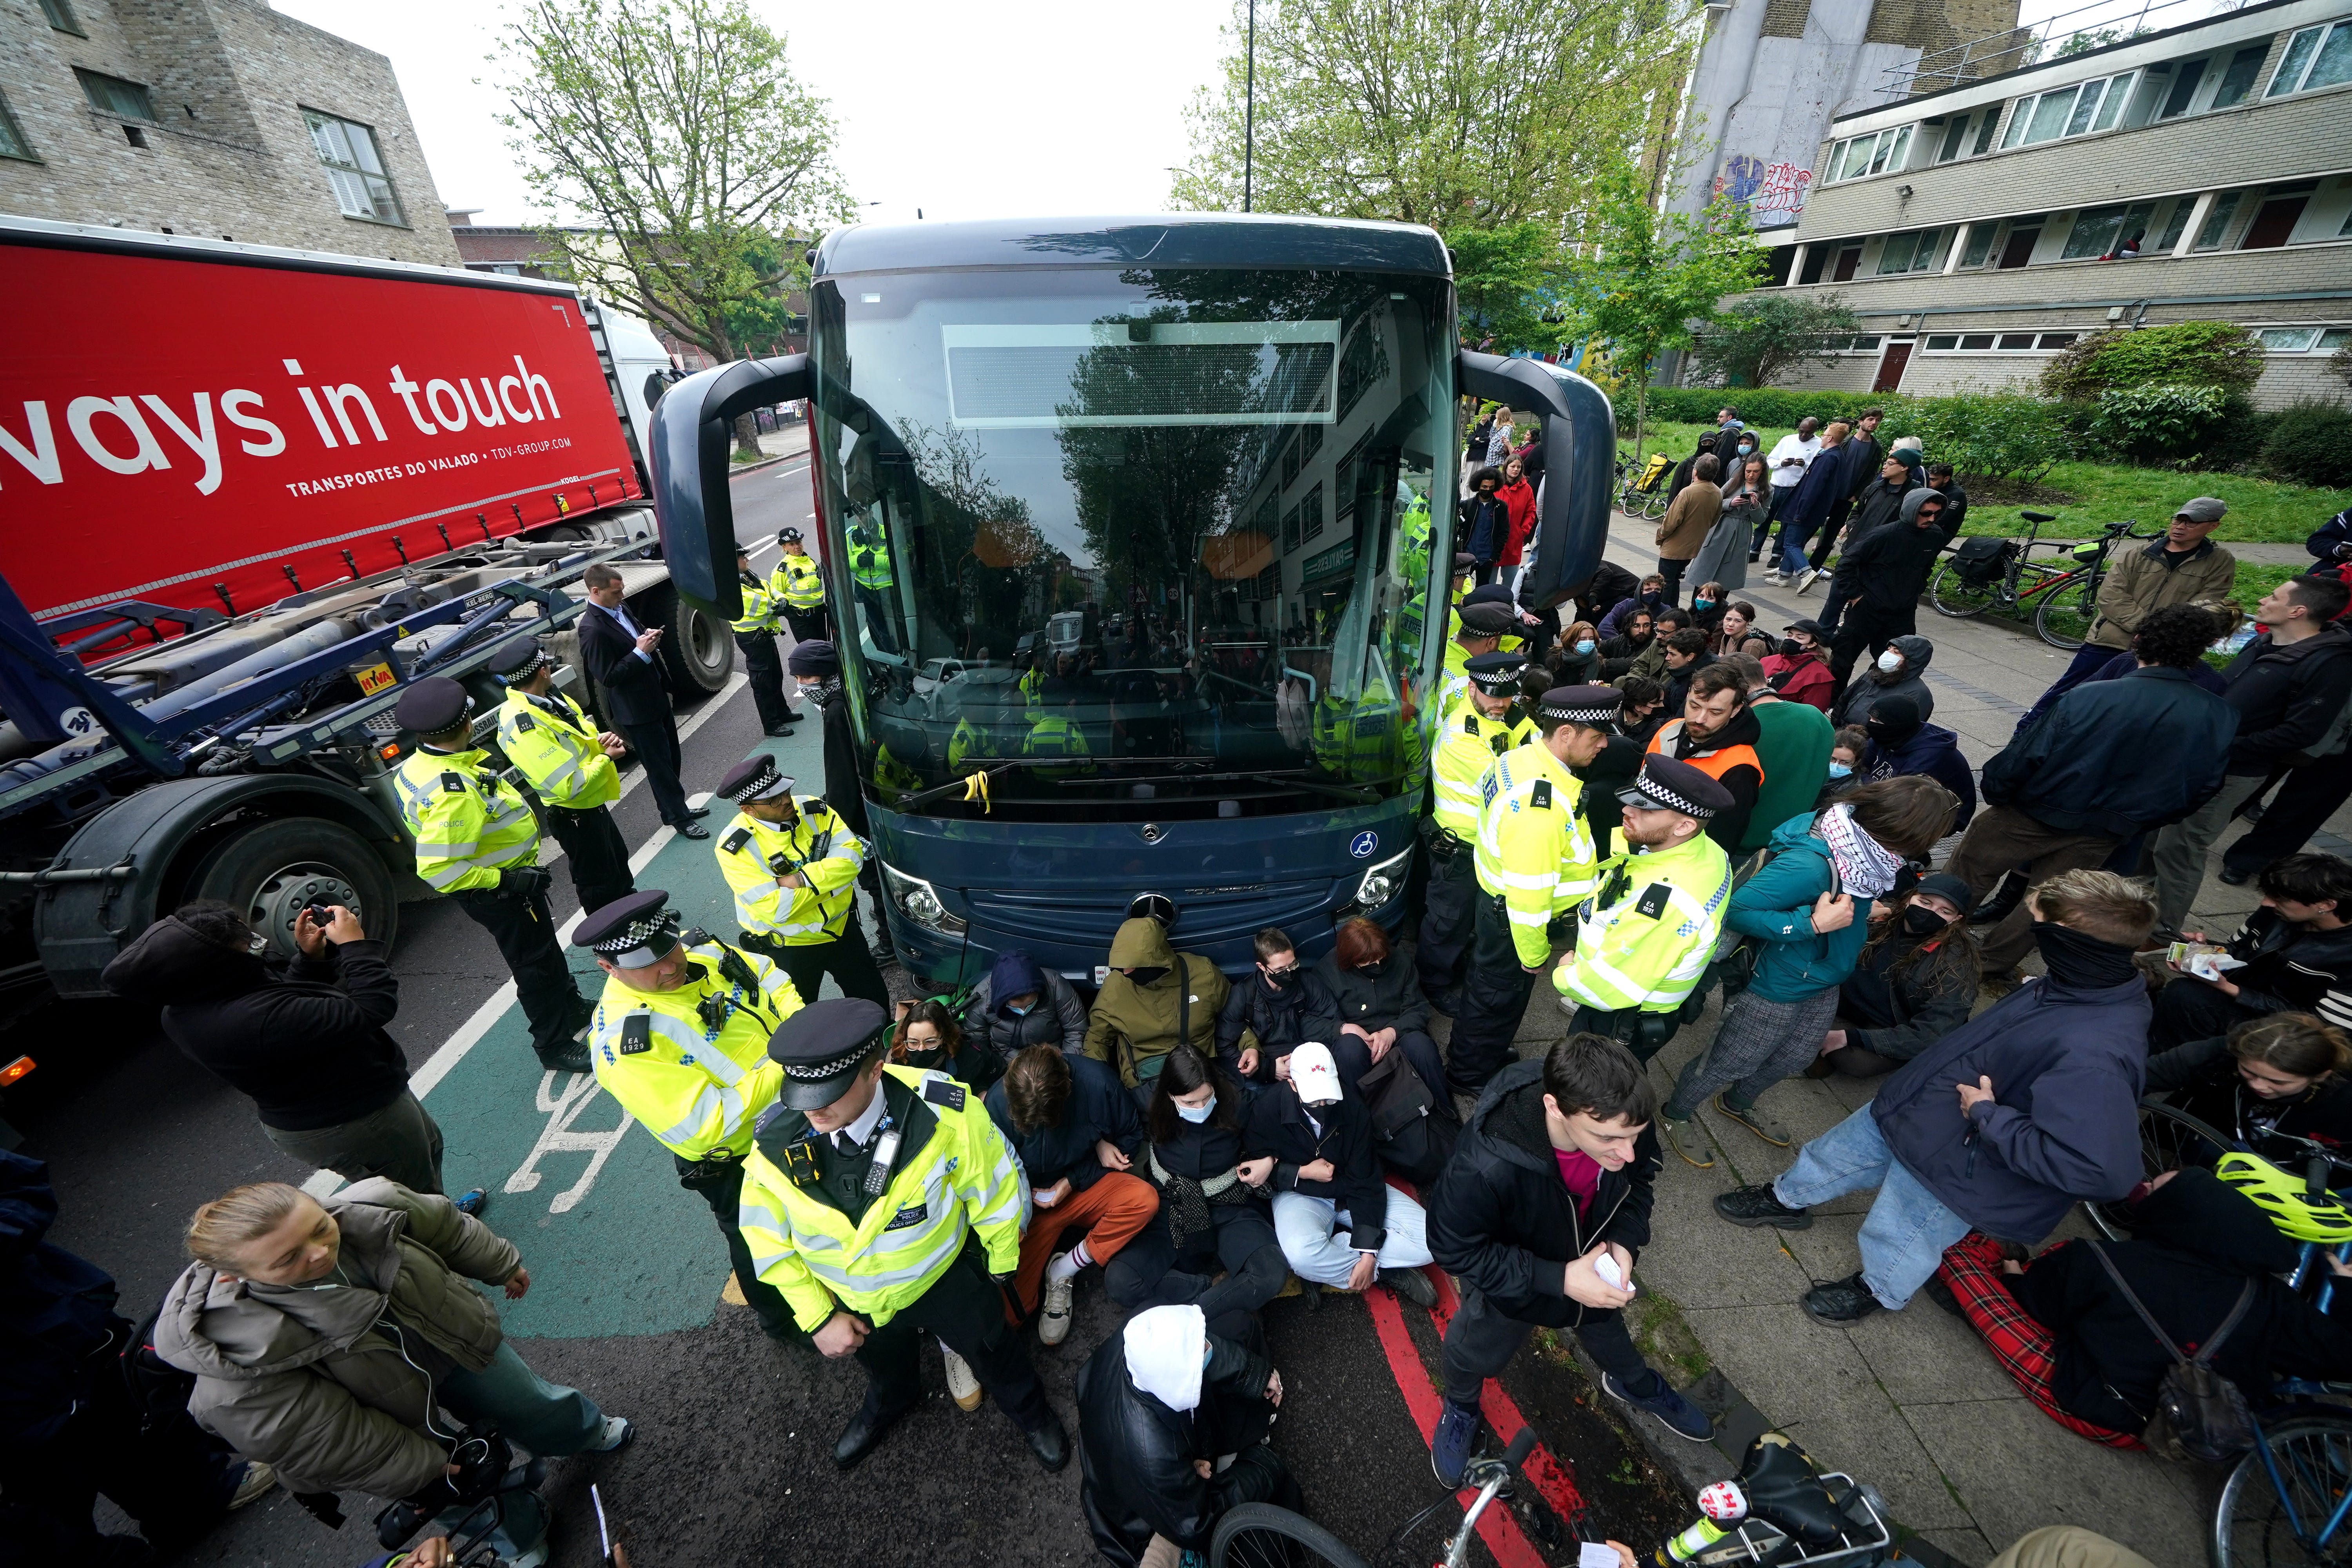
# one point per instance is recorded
(622, 656)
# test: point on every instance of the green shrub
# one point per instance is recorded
(2157, 425)
(1765, 407)
(2311, 443)
(1993, 435)
(2180, 353)
(2235, 440)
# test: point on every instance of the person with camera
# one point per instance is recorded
(339, 1341)
(792, 865)
(681, 1041)
(305, 1041)
(478, 843)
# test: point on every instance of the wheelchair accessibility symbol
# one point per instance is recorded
(1363, 845)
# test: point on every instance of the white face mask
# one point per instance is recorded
(1197, 1113)
(1890, 661)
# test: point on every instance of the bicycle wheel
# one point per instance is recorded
(2169, 1140)
(1656, 505)
(1955, 596)
(1260, 1535)
(2068, 607)
(2266, 1522)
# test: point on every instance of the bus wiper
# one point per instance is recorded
(1356, 795)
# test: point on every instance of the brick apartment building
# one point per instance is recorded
(1965, 225)
(215, 118)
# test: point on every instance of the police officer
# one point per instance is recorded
(871, 579)
(1535, 861)
(816, 666)
(883, 1202)
(478, 842)
(1484, 722)
(1644, 941)
(755, 633)
(568, 762)
(800, 587)
(1478, 629)
(681, 1040)
(794, 867)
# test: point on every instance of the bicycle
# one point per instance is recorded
(1260, 1535)
(2065, 598)
(1633, 499)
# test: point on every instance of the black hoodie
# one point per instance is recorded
(2195, 1245)
(306, 1041)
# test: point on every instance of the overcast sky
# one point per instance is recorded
(964, 110)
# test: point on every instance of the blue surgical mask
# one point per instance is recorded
(1197, 1113)
(1585, 644)
(1840, 770)
(1020, 1009)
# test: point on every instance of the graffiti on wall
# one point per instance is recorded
(1774, 193)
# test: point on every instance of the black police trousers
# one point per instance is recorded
(765, 667)
(809, 625)
(1494, 999)
(524, 930)
(1448, 916)
(721, 1184)
(1643, 1033)
(597, 854)
(846, 958)
(965, 1307)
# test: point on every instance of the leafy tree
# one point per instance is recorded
(675, 130)
(1757, 342)
(1503, 278)
(1455, 113)
(2179, 353)
(1646, 281)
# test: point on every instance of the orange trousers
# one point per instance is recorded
(1112, 1214)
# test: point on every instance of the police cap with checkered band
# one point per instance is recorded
(756, 777)
(822, 1047)
(1594, 707)
(518, 659)
(431, 706)
(1665, 785)
(1496, 674)
(631, 932)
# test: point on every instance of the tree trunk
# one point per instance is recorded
(747, 436)
(1641, 414)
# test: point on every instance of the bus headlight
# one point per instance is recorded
(919, 902)
(1384, 881)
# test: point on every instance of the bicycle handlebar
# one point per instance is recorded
(1521, 1446)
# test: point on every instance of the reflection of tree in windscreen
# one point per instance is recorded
(984, 566)
(1149, 494)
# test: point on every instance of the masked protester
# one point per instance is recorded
(1916, 982)
(927, 1038)
(1268, 1016)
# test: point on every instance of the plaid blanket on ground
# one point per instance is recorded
(2016, 1338)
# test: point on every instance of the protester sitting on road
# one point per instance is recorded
(1155, 1000)
(1792, 747)
(2280, 1077)
(1902, 743)
(1541, 1215)
(2066, 1328)
(1077, 1135)
(1899, 670)
(1326, 1173)
(2048, 1085)
(1213, 1218)
(2106, 763)
(1576, 660)
(1619, 650)
(1020, 1003)
(1376, 1004)
(323, 1335)
(304, 1040)
(71, 1428)
(1796, 667)
(1650, 664)
(1718, 734)
(1848, 746)
(927, 1037)
(2296, 949)
(1173, 1412)
(1915, 983)
(1644, 714)
(1652, 597)
(1809, 910)
(1685, 656)
(1266, 1016)
(1738, 619)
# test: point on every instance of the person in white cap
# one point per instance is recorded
(1326, 1173)
(1173, 1418)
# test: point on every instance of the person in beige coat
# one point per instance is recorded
(1687, 523)
(2183, 567)
(342, 1342)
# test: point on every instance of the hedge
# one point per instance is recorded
(1766, 407)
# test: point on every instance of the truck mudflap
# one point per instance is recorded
(188, 838)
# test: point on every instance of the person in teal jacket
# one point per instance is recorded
(1806, 913)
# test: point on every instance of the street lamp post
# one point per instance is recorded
(1249, 105)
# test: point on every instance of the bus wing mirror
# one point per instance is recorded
(1580, 460)
(691, 461)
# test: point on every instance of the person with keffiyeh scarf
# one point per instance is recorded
(1808, 909)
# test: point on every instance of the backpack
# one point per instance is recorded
(159, 1390)
(1412, 1136)
(2200, 1413)
(1734, 965)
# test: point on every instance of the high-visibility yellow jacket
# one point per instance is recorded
(797, 582)
(1643, 940)
(755, 856)
(1467, 744)
(954, 1176)
(1535, 852)
(1058, 742)
(469, 821)
(552, 743)
(697, 1086)
(1357, 739)
(869, 565)
(759, 606)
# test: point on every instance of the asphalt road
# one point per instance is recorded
(731, 1463)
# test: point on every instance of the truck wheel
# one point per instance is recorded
(699, 649)
(269, 870)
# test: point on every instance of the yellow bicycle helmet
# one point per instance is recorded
(2286, 1198)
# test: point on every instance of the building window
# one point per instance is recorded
(2184, 89)
(1310, 513)
(362, 190)
(2073, 111)
(61, 18)
(2287, 340)
(2239, 80)
(2058, 339)
(1980, 245)
(1984, 132)
(2217, 221)
(1943, 342)
(2099, 230)
(2334, 337)
(12, 136)
(1917, 252)
(2315, 58)
(1956, 136)
(2273, 221)
(1290, 531)
(115, 96)
(2182, 207)
(1872, 155)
